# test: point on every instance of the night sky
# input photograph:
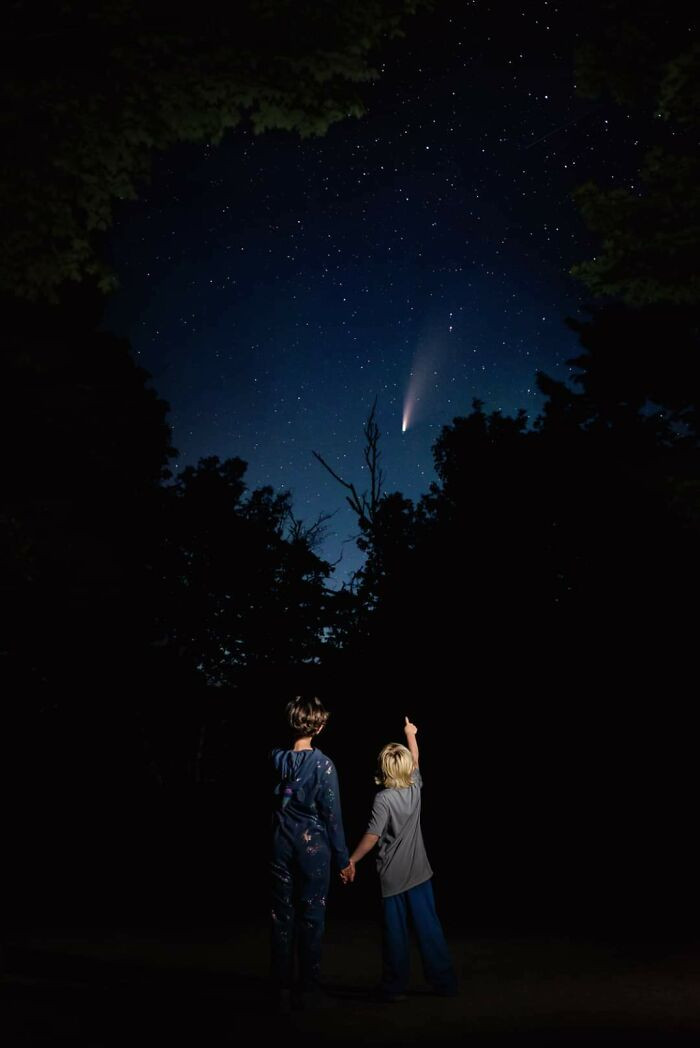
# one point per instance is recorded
(273, 287)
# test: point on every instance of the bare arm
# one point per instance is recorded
(377, 821)
(410, 731)
(366, 844)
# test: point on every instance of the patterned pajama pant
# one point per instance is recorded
(300, 876)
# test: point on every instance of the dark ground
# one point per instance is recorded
(118, 986)
(562, 836)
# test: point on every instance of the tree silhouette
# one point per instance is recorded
(108, 569)
(387, 523)
(85, 448)
(364, 505)
(644, 358)
(244, 586)
(578, 533)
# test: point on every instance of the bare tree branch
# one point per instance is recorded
(356, 503)
(312, 534)
(372, 455)
(364, 507)
(335, 563)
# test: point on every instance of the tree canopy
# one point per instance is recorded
(643, 57)
(91, 91)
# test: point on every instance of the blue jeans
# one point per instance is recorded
(435, 955)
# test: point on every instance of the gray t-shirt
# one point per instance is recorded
(401, 859)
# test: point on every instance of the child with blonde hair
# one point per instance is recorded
(405, 875)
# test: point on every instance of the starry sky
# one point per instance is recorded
(274, 287)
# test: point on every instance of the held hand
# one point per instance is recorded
(347, 875)
(410, 729)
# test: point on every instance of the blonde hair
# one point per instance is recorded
(306, 716)
(395, 767)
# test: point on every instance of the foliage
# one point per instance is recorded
(650, 232)
(564, 530)
(650, 238)
(86, 446)
(91, 92)
(106, 566)
(240, 592)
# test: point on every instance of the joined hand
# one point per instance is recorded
(347, 875)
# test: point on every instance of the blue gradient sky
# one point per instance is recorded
(273, 287)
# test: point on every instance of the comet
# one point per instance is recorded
(412, 399)
(421, 377)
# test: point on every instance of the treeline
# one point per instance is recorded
(568, 546)
(534, 610)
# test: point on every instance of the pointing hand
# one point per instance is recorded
(410, 729)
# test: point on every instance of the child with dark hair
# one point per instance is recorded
(307, 836)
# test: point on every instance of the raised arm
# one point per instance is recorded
(410, 731)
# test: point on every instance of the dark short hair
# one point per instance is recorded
(306, 716)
